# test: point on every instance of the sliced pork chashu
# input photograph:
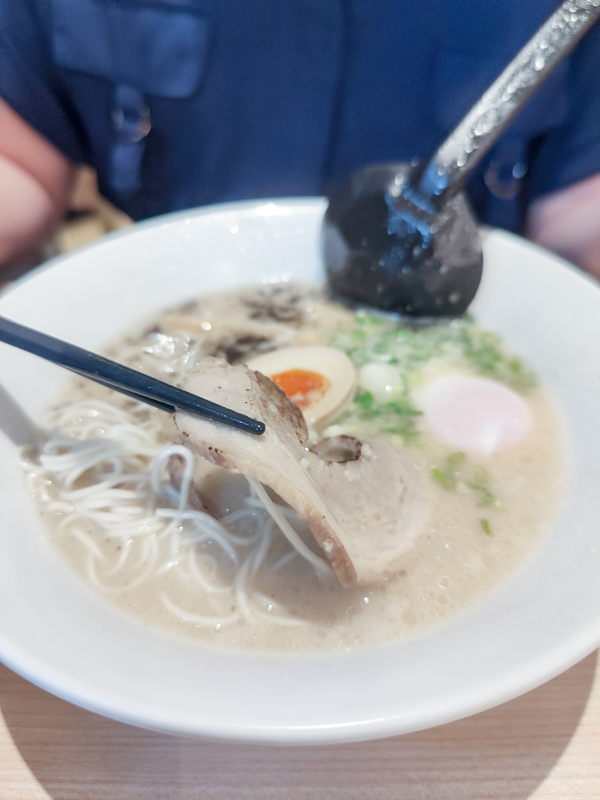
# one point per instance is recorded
(362, 512)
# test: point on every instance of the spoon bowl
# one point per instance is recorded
(387, 245)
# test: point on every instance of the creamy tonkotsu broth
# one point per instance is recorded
(205, 561)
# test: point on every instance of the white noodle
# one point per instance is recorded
(206, 531)
(88, 542)
(284, 560)
(203, 580)
(197, 619)
(290, 534)
(261, 551)
(149, 556)
(277, 620)
(125, 550)
(114, 484)
(241, 579)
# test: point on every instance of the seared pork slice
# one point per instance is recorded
(362, 512)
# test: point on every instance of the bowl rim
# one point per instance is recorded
(565, 654)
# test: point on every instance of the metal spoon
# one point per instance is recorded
(401, 236)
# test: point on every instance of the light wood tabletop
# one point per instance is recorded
(543, 745)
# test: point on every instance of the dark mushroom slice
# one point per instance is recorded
(338, 449)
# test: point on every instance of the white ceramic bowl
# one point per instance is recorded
(60, 635)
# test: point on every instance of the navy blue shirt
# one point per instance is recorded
(178, 103)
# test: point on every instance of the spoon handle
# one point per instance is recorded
(495, 110)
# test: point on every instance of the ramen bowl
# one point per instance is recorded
(60, 635)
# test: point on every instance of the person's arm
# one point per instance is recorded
(568, 222)
(35, 184)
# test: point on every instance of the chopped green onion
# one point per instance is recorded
(485, 525)
(486, 498)
(459, 344)
(445, 479)
(481, 475)
(365, 399)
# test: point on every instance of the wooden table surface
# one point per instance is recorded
(543, 745)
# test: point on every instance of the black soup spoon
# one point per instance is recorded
(401, 237)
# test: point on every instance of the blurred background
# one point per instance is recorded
(89, 216)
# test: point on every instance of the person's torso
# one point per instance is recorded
(188, 102)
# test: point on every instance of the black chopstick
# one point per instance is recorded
(120, 378)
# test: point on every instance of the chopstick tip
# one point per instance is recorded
(257, 427)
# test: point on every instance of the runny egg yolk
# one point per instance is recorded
(320, 380)
(302, 386)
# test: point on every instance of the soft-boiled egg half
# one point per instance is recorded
(321, 381)
(474, 414)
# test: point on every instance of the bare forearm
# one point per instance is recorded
(568, 222)
(27, 213)
(35, 183)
